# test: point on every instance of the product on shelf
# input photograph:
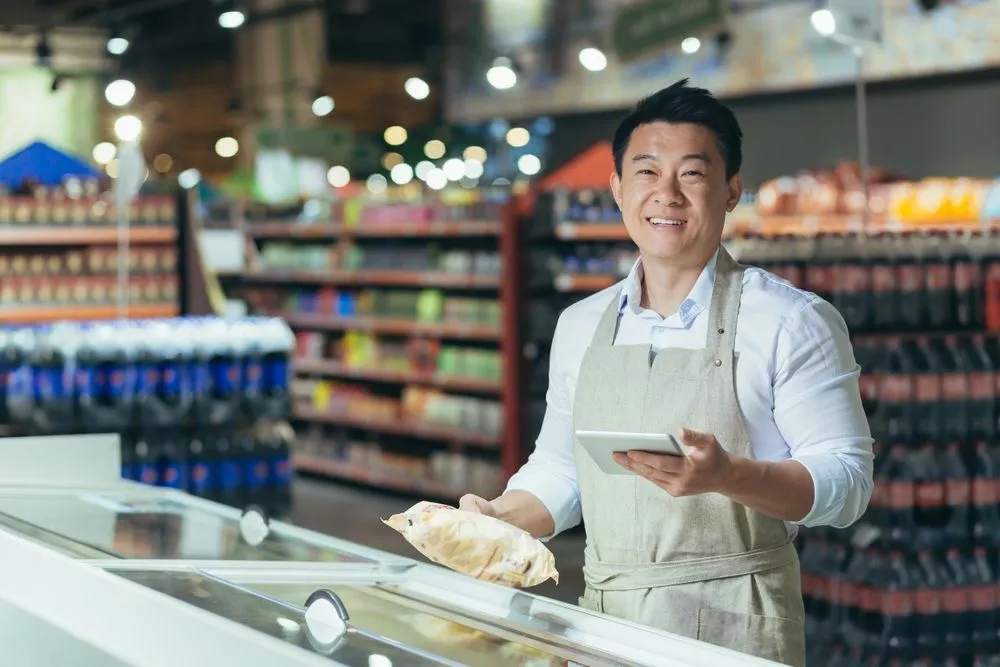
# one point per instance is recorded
(839, 191)
(199, 401)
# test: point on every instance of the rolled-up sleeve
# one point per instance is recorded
(818, 410)
(550, 472)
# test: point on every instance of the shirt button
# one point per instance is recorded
(718, 362)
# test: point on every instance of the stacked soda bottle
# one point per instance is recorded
(200, 403)
(915, 582)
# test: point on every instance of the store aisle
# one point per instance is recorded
(354, 514)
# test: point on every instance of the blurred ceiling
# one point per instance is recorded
(175, 33)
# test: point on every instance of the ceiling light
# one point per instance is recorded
(454, 169)
(390, 160)
(189, 178)
(691, 45)
(128, 128)
(401, 174)
(395, 135)
(824, 22)
(163, 163)
(473, 168)
(323, 106)
(104, 152)
(502, 75)
(227, 147)
(232, 19)
(119, 92)
(593, 59)
(436, 179)
(434, 149)
(118, 45)
(529, 165)
(477, 153)
(338, 176)
(417, 88)
(423, 168)
(518, 137)
(377, 184)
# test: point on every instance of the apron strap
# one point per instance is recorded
(725, 307)
(637, 576)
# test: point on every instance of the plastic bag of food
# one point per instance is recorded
(477, 545)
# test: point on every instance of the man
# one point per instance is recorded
(756, 377)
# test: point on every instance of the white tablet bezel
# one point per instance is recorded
(600, 445)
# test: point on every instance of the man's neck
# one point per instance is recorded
(665, 286)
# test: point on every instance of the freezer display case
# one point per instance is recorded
(110, 572)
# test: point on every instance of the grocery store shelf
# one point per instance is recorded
(336, 369)
(318, 465)
(585, 231)
(65, 236)
(79, 313)
(440, 279)
(394, 326)
(582, 282)
(286, 230)
(404, 427)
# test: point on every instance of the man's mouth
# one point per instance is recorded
(666, 222)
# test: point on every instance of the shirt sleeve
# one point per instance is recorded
(818, 410)
(550, 472)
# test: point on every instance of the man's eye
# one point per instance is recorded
(693, 173)
(645, 171)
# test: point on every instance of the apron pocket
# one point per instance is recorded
(778, 639)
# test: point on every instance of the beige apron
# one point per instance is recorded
(702, 566)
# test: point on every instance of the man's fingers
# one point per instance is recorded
(471, 503)
(696, 438)
(664, 462)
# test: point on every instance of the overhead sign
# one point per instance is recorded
(648, 26)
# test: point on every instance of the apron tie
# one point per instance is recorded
(604, 576)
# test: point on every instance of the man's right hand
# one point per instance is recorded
(518, 508)
(477, 505)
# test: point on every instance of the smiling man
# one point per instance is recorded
(755, 377)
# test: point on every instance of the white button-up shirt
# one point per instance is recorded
(796, 383)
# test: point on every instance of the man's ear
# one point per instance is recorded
(735, 186)
(616, 188)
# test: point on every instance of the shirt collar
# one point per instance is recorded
(698, 299)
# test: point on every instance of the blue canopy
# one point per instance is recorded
(42, 163)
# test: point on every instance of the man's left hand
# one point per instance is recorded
(704, 469)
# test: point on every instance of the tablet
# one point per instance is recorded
(602, 444)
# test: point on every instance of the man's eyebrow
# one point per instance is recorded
(704, 157)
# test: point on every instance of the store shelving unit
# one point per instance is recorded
(422, 424)
(58, 258)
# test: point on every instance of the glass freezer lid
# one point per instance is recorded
(353, 644)
(149, 527)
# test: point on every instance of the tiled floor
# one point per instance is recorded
(354, 514)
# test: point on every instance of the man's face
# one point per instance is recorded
(673, 192)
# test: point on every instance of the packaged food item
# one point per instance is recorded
(476, 545)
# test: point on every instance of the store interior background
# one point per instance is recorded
(421, 278)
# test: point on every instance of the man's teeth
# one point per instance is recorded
(664, 221)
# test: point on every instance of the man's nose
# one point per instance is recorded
(668, 192)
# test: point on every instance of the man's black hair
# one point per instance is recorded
(681, 103)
